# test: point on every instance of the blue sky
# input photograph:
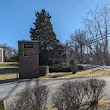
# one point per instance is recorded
(17, 16)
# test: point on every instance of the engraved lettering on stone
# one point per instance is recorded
(28, 45)
(28, 53)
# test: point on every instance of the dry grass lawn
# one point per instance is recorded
(105, 105)
(80, 74)
(9, 65)
(8, 71)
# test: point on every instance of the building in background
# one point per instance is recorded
(1, 55)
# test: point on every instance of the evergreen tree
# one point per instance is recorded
(50, 48)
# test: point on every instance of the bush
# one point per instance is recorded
(59, 68)
(66, 69)
(69, 96)
(43, 70)
(31, 99)
(94, 93)
(73, 66)
(79, 95)
(80, 67)
(62, 68)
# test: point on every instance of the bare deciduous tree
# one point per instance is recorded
(8, 52)
(76, 47)
(98, 28)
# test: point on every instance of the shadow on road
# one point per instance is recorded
(9, 80)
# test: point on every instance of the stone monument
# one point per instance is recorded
(1, 55)
(28, 59)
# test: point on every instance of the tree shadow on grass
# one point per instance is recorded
(8, 70)
(10, 64)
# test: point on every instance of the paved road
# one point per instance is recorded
(8, 90)
(88, 66)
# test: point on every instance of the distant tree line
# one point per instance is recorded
(10, 53)
(87, 45)
(91, 45)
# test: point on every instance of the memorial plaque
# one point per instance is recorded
(28, 45)
(28, 53)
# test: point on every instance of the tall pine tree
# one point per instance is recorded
(50, 49)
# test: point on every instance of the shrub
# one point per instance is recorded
(43, 70)
(63, 68)
(58, 100)
(69, 96)
(73, 66)
(94, 92)
(79, 95)
(59, 68)
(80, 67)
(66, 69)
(31, 99)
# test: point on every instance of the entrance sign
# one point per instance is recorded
(28, 59)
